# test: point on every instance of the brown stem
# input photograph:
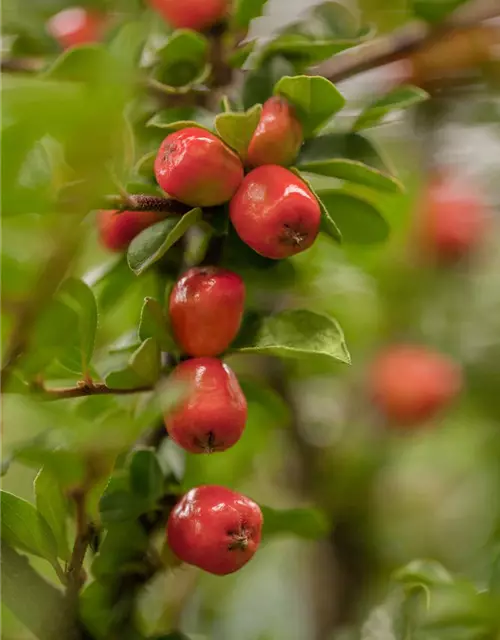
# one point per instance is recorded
(403, 41)
(146, 203)
(86, 389)
(74, 572)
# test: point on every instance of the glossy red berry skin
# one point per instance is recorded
(117, 230)
(410, 384)
(278, 136)
(191, 14)
(453, 220)
(197, 168)
(76, 26)
(214, 415)
(206, 308)
(275, 213)
(215, 529)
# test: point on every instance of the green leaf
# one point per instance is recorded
(145, 361)
(24, 528)
(244, 11)
(125, 378)
(237, 129)
(145, 166)
(183, 59)
(88, 63)
(359, 221)
(315, 98)
(433, 11)
(155, 324)
(308, 523)
(53, 506)
(304, 51)
(146, 476)
(171, 120)
(124, 543)
(121, 506)
(152, 243)
(332, 20)
(259, 83)
(422, 572)
(353, 171)
(240, 55)
(400, 98)
(79, 297)
(293, 334)
(127, 45)
(328, 224)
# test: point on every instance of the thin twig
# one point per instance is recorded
(147, 203)
(406, 40)
(87, 389)
(75, 579)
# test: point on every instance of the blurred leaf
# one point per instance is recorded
(146, 476)
(399, 98)
(433, 11)
(244, 11)
(258, 84)
(145, 166)
(331, 20)
(155, 324)
(24, 528)
(240, 55)
(328, 224)
(237, 129)
(79, 297)
(145, 361)
(353, 171)
(152, 243)
(53, 506)
(121, 506)
(425, 572)
(304, 51)
(308, 523)
(315, 98)
(127, 45)
(183, 59)
(169, 120)
(358, 220)
(292, 334)
(88, 63)
(124, 543)
(96, 600)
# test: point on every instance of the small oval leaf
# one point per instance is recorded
(237, 129)
(400, 98)
(353, 171)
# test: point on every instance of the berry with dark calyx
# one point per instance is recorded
(215, 529)
(191, 14)
(206, 308)
(410, 384)
(197, 168)
(118, 229)
(275, 213)
(76, 26)
(214, 415)
(278, 136)
(453, 218)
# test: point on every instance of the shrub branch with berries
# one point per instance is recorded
(174, 176)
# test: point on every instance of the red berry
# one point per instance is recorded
(214, 416)
(410, 384)
(278, 136)
(275, 213)
(191, 14)
(215, 529)
(76, 26)
(206, 308)
(197, 168)
(453, 218)
(117, 230)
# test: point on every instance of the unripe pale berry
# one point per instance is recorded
(214, 415)
(206, 308)
(118, 229)
(191, 14)
(410, 384)
(197, 168)
(275, 213)
(76, 26)
(453, 218)
(278, 136)
(215, 529)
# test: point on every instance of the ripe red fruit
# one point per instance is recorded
(278, 136)
(206, 308)
(197, 168)
(215, 529)
(410, 384)
(191, 14)
(76, 26)
(453, 219)
(275, 213)
(117, 230)
(214, 415)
